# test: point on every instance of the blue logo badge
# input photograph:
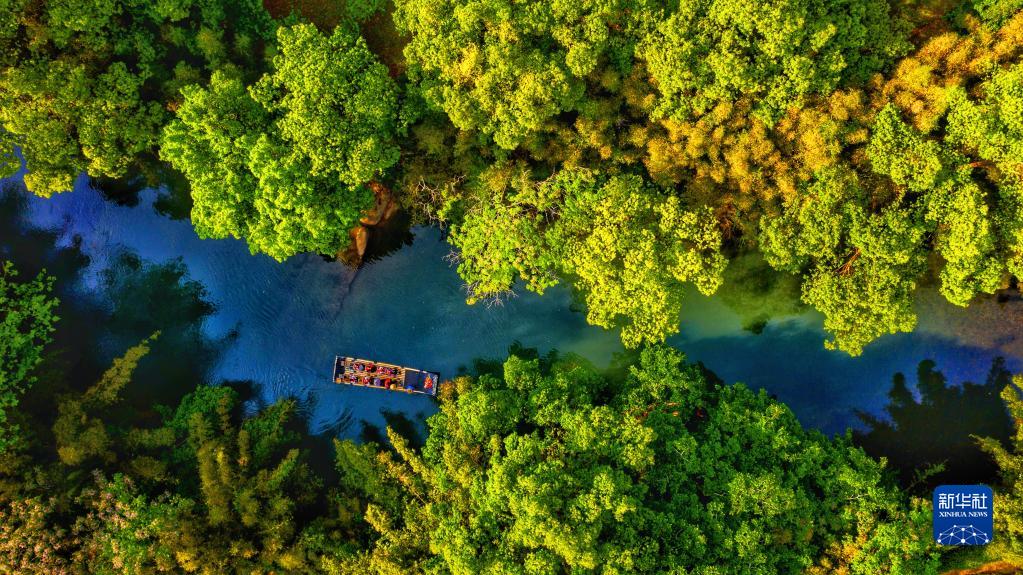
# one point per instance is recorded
(963, 515)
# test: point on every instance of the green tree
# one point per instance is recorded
(627, 249)
(507, 68)
(1008, 503)
(862, 267)
(333, 102)
(550, 467)
(284, 164)
(996, 12)
(85, 86)
(27, 318)
(991, 130)
(955, 206)
(714, 52)
(630, 250)
(241, 484)
(205, 490)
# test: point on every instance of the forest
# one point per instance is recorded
(533, 465)
(852, 152)
(627, 148)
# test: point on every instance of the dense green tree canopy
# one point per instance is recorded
(862, 158)
(333, 102)
(284, 163)
(551, 468)
(716, 51)
(863, 266)
(794, 129)
(84, 86)
(862, 232)
(505, 68)
(628, 249)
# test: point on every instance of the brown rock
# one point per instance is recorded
(381, 206)
(372, 217)
(392, 208)
(360, 238)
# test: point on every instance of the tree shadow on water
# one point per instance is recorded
(144, 297)
(938, 425)
(135, 299)
(173, 198)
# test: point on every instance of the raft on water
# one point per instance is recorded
(368, 373)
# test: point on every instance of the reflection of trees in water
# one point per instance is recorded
(937, 425)
(991, 321)
(757, 293)
(136, 299)
(32, 250)
(143, 297)
(401, 423)
(173, 199)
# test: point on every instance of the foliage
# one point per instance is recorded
(333, 101)
(284, 163)
(1008, 503)
(202, 491)
(951, 200)
(996, 12)
(27, 321)
(630, 251)
(794, 129)
(506, 68)
(553, 468)
(857, 156)
(84, 86)
(862, 265)
(718, 51)
(627, 249)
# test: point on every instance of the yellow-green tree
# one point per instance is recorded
(1008, 503)
(548, 467)
(627, 248)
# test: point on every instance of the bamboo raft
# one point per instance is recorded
(379, 375)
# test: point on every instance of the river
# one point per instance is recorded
(408, 307)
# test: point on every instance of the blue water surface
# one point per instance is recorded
(409, 308)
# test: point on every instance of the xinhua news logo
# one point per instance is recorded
(963, 515)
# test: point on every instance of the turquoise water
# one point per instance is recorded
(408, 307)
